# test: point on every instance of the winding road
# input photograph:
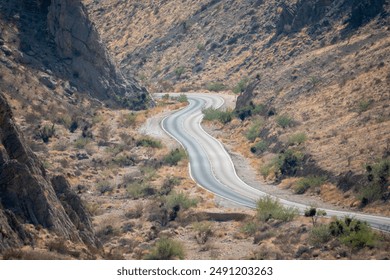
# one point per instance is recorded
(212, 168)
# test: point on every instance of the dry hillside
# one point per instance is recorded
(321, 66)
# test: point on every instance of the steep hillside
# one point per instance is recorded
(319, 66)
(57, 41)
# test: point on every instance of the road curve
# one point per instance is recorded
(212, 168)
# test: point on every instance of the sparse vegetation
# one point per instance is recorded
(211, 114)
(304, 184)
(269, 208)
(353, 233)
(179, 71)
(182, 98)
(254, 130)
(364, 105)
(139, 189)
(166, 249)
(81, 142)
(284, 121)
(129, 119)
(203, 231)
(181, 199)
(260, 147)
(314, 213)
(297, 139)
(216, 87)
(287, 163)
(319, 235)
(149, 142)
(175, 156)
(104, 187)
(376, 188)
(241, 85)
(47, 132)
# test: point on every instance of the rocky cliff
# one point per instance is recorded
(29, 196)
(57, 35)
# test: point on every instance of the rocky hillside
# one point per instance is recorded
(320, 66)
(57, 38)
(29, 196)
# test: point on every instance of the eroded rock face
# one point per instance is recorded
(79, 45)
(28, 196)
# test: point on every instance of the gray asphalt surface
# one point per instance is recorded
(212, 168)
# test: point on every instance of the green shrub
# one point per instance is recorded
(286, 163)
(47, 132)
(270, 208)
(364, 105)
(182, 98)
(319, 235)
(297, 139)
(181, 199)
(179, 71)
(378, 175)
(241, 85)
(165, 96)
(216, 87)
(166, 249)
(353, 233)
(149, 142)
(175, 156)
(250, 228)
(260, 147)
(254, 130)
(284, 121)
(139, 189)
(201, 47)
(168, 184)
(81, 143)
(211, 114)
(303, 184)
(204, 231)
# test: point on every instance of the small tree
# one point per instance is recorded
(314, 213)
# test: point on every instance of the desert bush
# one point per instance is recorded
(104, 187)
(304, 184)
(203, 231)
(211, 114)
(105, 133)
(354, 233)
(166, 249)
(216, 87)
(319, 235)
(260, 236)
(260, 147)
(168, 184)
(378, 175)
(241, 85)
(182, 98)
(270, 208)
(284, 121)
(287, 163)
(135, 212)
(59, 246)
(364, 105)
(47, 132)
(149, 142)
(179, 71)
(297, 139)
(254, 130)
(174, 157)
(181, 199)
(249, 228)
(19, 254)
(139, 189)
(165, 96)
(200, 47)
(81, 142)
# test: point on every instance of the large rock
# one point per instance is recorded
(78, 42)
(28, 196)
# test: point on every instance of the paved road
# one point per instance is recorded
(212, 168)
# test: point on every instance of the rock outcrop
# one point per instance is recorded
(79, 45)
(27, 195)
